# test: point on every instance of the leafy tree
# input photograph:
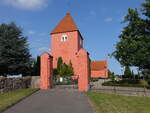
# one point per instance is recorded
(145, 73)
(146, 9)
(36, 67)
(59, 65)
(63, 69)
(127, 72)
(32, 68)
(133, 49)
(137, 76)
(55, 74)
(70, 69)
(111, 75)
(132, 75)
(14, 53)
(55, 71)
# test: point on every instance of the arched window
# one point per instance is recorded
(64, 38)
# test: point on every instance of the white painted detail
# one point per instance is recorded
(61, 79)
(64, 38)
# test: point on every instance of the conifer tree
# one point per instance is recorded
(63, 69)
(127, 72)
(14, 53)
(59, 66)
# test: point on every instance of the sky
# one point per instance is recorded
(99, 22)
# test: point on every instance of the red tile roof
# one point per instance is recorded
(66, 24)
(98, 65)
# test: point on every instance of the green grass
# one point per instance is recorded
(10, 98)
(112, 103)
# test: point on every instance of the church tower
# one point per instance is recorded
(66, 41)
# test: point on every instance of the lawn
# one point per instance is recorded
(112, 103)
(9, 98)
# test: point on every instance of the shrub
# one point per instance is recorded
(64, 69)
(93, 79)
(128, 83)
(143, 83)
(127, 72)
(111, 75)
(149, 82)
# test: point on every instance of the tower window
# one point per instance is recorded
(64, 38)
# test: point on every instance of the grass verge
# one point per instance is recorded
(112, 103)
(12, 97)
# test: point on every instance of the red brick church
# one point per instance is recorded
(67, 42)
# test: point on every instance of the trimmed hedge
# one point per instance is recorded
(128, 83)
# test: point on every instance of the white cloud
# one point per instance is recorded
(26, 4)
(108, 19)
(44, 49)
(31, 32)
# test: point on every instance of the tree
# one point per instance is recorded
(133, 49)
(137, 76)
(59, 66)
(111, 75)
(14, 53)
(127, 72)
(146, 8)
(36, 67)
(145, 73)
(55, 71)
(63, 69)
(70, 69)
(132, 75)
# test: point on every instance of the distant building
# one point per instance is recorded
(99, 69)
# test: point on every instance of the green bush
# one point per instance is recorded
(64, 69)
(109, 83)
(111, 75)
(93, 79)
(128, 83)
(127, 72)
(143, 83)
(149, 82)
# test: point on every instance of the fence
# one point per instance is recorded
(133, 91)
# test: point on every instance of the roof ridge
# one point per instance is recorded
(67, 24)
(98, 65)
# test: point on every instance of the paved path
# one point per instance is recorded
(53, 101)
